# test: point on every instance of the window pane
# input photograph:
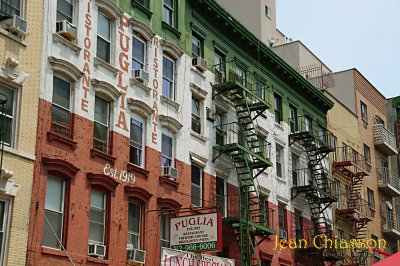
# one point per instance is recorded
(60, 116)
(96, 232)
(134, 217)
(165, 161)
(64, 10)
(168, 68)
(196, 46)
(101, 111)
(103, 26)
(97, 199)
(195, 106)
(8, 130)
(169, 3)
(136, 131)
(61, 92)
(196, 175)
(138, 52)
(54, 193)
(103, 50)
(166, 144)
(9, 93)
(100, 132)
(196, 195)
(49, 238)
(167, 89)
(96, 215)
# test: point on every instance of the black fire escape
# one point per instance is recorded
(313, 183)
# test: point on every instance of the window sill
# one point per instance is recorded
(13, 37)
(168, 181)
(168, 27)
(142, 8)
(57, 38)
(280, 179)
(51, 136)
(141, 85)
(137, 170)
(96, 260)
(169, 102)
(95, 153)
(198, 72)
(99, 62)
(198, 136)
(54, 252)
(279, 125)
(19, 153)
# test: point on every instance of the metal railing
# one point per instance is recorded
(232, 133)
(390, 220)
(347, 154)
(315, 238)
(387, 177)
(382, 136)
(360, 206)
(303, 124)
(304, 177)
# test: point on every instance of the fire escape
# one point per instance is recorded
(240, 141)
(351, 207)
(313, 183)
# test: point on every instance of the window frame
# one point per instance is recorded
(200, 45)
(267, 11)
(133, 233)
(109, 42)
(6, 228)
(364, 114)
(69, 110)
(221, 197)
(105, 216)
(71, 16)
(14, 116)
(171, 13)
(166, 79)
(279, 150)
(107, 142)
(165, 234)
(293, 119)
(298, 225)
(278, 108)
(196, 117)
(371, 198)
(282, 207)
(367, 156)
(144, 63)
(142, 145)
(200, 187)
(172, 159)
(21, 8)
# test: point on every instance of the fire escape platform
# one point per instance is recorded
(308, 136)
(326, 254)
(344, 168)
(352, 214)
(256, 229)
(314, 192)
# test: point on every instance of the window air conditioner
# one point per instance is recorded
(67, 30)
(97, 250)
(210, 114)
(136, 255)
(282, 234)
(17, 25)
(170, 172)
(199, 63)
(140, 75)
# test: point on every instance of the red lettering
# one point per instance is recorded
(86, 55)
(119, 85)
(123, 47)
(88, 20)
(84, 105)
(154, 138)
(124, 22)
(122, 121)
(155, 42)
(123, 101)
(86, 68)
(124, 64)
(87, 43)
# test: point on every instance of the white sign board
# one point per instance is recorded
(172, 257)
(196, 232)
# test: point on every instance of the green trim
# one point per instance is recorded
(237, 222)
(168, 27)
(219, 47)
(201, 33)
(142, 8)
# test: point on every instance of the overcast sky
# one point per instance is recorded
(364, 34)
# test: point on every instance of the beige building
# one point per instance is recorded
(20, 49)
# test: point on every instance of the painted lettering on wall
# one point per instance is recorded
(123, 60)
(86, 57)
(154, 119)
(122, 175)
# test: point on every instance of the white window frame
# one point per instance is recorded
(110, 41)
(21, 8)
(69, 110)
(225, 207)
(104, 217)
(170, 135)
(283, 207)
(171, 11)
(5, 229)
(198, 42)
(197, 186)
(143, 144)
(173, 77)
(14, 116)
(62, 212)
(241, 74)
(165, 240)
(145, 52)
(137, 234)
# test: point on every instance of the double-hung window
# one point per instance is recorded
(241, 75)
(12, 7)
(371, 198)
(7, 114)
(164, 230)
(196, 115)
(340, 238)
(103, 38)
(54, 212)
(101, 124)
(219, 132)
(308, 124)
(168, 78)
(138, 54)
(220, 191)
(298, 225)
(4, 218)
(364, 114)
(97, 224)
(65, 10)
(281, 217)
(137, 146)
(278, 108)
(260, 89)
(279, 161)
(367, 155)
(166, 151)
(168, 12)
(197, 46)
(134, 224)
(295, 167)
(61, 123)
(197, 180)
(219, 61)
(293, 120)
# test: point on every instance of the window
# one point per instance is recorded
(4, 214)
(61, 107)
(375, 244)
(196, 119)
(364, 114)
(265, 262)
(340, 238)
(298, 224)
(220, 195)
(219, 132)
(293, 120)
(307, 124)
(367, 155)
(267, 11)
(371, 198)
(13, 7)
(197, 176)
(281, 217)
(8, 114)
(138, 54)
(164, 230)
(65, 10)
(168, 78)
(134, 224)
(334, 144)
(337, 194)
(279, 161)
(379, 121)
(322, 134)
(97, 224)
(166, 151)
(219, 61)
(278, 108)
(295, 166)
(144, 3)
(136, 139)
(260, 89)
(103, 38)
(54, 212)
(101, 124)
(197, 46)
(168, 12)
(241, 75)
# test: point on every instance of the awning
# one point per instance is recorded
(393, 260)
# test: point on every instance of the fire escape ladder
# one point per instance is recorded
(250, 159)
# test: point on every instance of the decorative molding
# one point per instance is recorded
(10, 187)
(198, 160)
(65, 67)
(221, 105)
(65, 140)
(172, 49)
(198, 136)
(220, 48)
(173, 30)
(170, 102)
(262, 131)
(170, 204)
(168, 181)
(200, 32)
(197, 91)
(59, 166)
(138, 193)
(99, 62)
(140, 85)
(102, 180)
(170, 123)
(137, 170)
(110, 8)
(106, 89)
(139, 107)
(281, 199)
(57, 38)
(141, 28)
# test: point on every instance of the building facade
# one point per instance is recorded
(148, 110)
